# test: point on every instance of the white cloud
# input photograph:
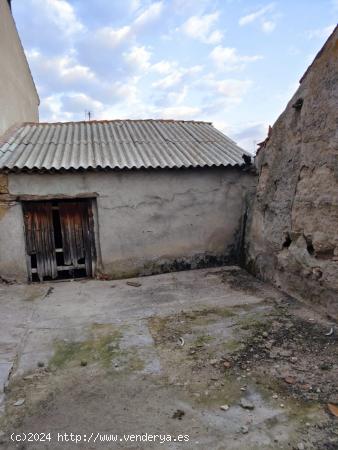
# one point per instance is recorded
(80, 102)
(138, 58)
(134, 5)
(321, 33)
(72, 72)
(186, 7)
(180, 112)
(52, 104)
(163, 67)
(176, 76)
(122, 103)
(252, 17)
(221, 94)
(201, 28)
(51, 109)
(115, 37)
(127, 91)
(267, 24)
(169, 81)
(232, 88)
(65, 67)
(178, 97)
(62, 14)
(248, 134)
(227, 58)
(152, 13)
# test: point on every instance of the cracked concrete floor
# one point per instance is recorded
(160, 357)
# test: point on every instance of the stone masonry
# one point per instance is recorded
(292, 235)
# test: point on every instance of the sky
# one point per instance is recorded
(234, 63)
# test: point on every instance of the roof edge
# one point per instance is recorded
(36, 170)
(117, 120)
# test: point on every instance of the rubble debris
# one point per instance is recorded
(224, 407)
(181, 341)
(333, 409)
(133, 283)
(289, 379)
(326, 366)
(19, 402)
(49, 292)
(178, 414)
(246, 404)
(6, 281)
(103, 277)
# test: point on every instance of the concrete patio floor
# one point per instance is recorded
(208, 353)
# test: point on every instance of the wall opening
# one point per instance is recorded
(309, 245)
(287, 241)
(60, 241)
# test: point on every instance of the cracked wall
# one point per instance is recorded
(147, 221)
(292, 237)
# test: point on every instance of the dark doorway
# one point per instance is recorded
(59, 239)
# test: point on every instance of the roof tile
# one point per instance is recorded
(117, 144)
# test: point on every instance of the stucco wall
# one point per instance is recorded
(148, 221)
(293, 236)
(19, 100)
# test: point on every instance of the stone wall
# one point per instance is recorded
(292, 236)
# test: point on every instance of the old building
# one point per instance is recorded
(19, 100)
(119, 198)
(293, 236)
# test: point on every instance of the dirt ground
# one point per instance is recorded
(213, 355)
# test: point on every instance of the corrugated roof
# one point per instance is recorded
(117, 144)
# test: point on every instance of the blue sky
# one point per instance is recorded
(235, 63)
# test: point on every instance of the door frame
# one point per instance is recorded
(93, 227)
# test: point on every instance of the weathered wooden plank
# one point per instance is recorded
(75, 234)
(80, 266)
(42, 198)
(40, 237)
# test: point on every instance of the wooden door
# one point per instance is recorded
(77, 235)
(59, 239)
(40, 243)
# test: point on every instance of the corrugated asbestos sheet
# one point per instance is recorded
(117, 144)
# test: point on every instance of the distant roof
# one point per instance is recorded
(116, 144)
